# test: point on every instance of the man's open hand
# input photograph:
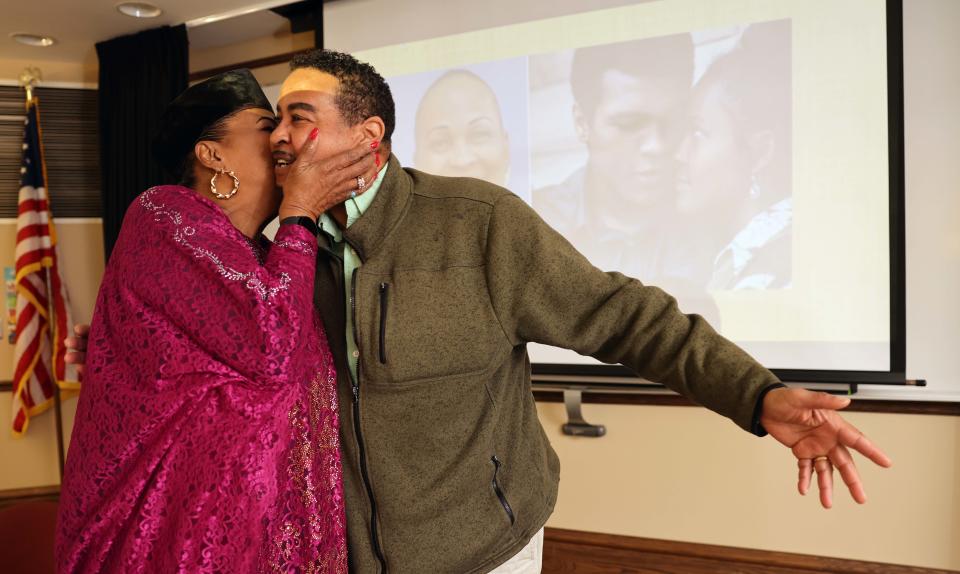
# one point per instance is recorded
(808, 423)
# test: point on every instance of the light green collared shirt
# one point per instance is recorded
(351, 261)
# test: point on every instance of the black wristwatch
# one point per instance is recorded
(303, 220)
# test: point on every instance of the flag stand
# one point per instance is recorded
(57, 403)
(29, 78)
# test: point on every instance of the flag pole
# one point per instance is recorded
(29, 78)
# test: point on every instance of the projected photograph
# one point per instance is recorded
(669, 158)
(469, 121)
(736, 154)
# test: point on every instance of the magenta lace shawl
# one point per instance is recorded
(206, 436)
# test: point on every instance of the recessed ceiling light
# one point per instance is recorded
(139, 9)
(34, 40)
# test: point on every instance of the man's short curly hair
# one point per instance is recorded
(363, 91)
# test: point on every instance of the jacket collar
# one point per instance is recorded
(385, 214)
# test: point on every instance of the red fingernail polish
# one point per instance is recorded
(314, 133)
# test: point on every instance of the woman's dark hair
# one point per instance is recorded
(756, 78)
(755, 84)
(363, 91)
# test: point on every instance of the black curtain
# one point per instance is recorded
(318, 24)
(139, 75)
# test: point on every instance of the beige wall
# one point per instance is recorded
(253, 50)
(81, 258)
(85, 73)
(31, 460)
(683, 473)
(53, 72)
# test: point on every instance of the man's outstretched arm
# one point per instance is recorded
(543, 290)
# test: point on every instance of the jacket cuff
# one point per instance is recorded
(755, 426)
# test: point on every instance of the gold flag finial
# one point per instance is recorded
(29, 78)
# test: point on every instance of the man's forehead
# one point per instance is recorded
(649, 93)
(309, 80)
(458, 100)
(307, 100)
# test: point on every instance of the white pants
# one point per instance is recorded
(527, 561)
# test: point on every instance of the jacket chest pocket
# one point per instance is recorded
(427, 324)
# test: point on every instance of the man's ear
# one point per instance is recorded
(373, 128)
(208, 154)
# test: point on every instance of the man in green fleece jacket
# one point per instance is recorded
(430, 288)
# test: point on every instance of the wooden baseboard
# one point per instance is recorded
(594, 553)
(580, 552)
(12, 496)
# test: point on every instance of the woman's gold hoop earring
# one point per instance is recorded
(213, 184)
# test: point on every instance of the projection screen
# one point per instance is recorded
(745, 156)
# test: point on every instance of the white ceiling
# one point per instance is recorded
(79, 24)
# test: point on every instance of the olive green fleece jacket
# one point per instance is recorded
(446, 467)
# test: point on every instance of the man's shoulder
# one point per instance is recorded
(456, 189)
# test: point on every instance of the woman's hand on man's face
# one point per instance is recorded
(314, 183)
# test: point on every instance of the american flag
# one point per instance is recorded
(39, 354)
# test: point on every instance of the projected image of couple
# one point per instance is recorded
(667, 158)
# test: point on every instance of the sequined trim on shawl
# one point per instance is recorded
(182, 232)
(296, 244)
(316, 443)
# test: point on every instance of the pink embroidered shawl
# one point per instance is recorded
(206, 433)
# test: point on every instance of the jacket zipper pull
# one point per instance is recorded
(498, 490)
(383, 322)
